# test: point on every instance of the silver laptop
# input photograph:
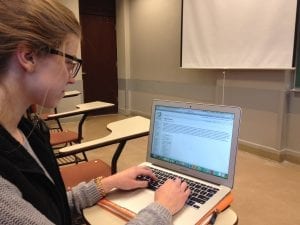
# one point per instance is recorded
(196, 142)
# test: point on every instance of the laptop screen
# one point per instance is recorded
(193, 138)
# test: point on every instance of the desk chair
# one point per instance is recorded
(121, 132)
(85, 171)
(44, 116)
(67, 137)
(60, 137)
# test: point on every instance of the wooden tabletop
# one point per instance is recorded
(97, 215)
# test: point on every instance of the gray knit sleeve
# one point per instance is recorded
(153, 214)
(83, 195)
(14, 210)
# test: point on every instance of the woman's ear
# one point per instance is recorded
(26, 58)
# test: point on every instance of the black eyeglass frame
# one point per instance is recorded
(73, 58)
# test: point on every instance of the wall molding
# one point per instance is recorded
(270, 153)
(291, 156)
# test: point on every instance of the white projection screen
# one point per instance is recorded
(244, 34)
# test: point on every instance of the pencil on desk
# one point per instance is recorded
(116, 209)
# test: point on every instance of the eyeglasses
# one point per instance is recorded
(73, 63)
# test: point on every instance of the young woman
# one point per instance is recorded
(38, 43)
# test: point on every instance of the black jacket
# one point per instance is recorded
(18, 167)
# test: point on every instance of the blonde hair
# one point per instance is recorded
(37, 24)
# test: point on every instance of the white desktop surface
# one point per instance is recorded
(120, 130)
(82, 108)
(71, 93)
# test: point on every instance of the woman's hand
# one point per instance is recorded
(127, 179)
(172, 195)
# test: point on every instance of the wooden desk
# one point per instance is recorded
(121, 132)
(96, 215)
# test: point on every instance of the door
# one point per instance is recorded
(99, 52)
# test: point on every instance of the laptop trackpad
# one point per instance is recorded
(133, 200)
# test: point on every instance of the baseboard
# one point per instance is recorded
(291, 156)
(270, 153)
(133, 113)
(257, 150)
(125, 112)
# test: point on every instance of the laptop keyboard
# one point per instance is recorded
(200, 193)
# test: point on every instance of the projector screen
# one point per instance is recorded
(235, 34)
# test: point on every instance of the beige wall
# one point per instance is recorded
(148, 33)
(148, 42)
(70, 103)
